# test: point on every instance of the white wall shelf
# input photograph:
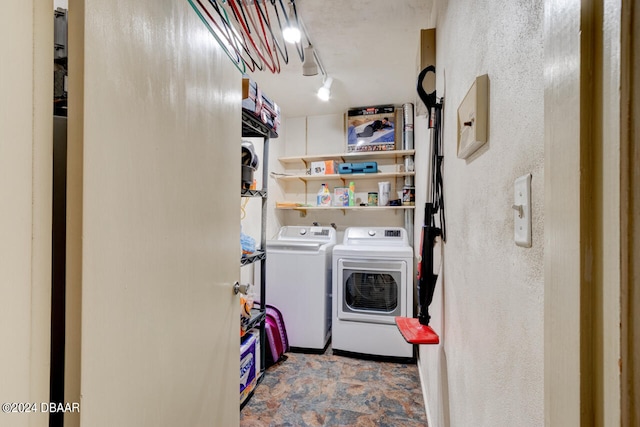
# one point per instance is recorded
(344, 177)
(303, 209)
(295, 172)
(396, 155)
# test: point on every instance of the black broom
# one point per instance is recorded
(418, 331)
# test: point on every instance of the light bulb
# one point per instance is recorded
(291, 34)
(324, 93)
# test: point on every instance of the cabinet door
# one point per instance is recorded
(155, 132)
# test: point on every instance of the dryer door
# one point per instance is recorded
(372, 291)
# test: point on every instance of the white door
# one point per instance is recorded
(154, 190)
(25, 209)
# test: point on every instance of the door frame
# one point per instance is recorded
(630, 177)
(591, 234)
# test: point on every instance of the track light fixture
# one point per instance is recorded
(311, 62)
(324, 93)
(309, 66)
(291, 33)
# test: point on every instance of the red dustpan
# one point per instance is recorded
(415, 333)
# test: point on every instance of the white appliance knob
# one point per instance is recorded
(372, 233)
(303, 231)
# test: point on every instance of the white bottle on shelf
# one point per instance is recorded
(324, 196)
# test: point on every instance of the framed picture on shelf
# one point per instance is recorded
(371, 128)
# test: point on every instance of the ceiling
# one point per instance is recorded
(368, 47)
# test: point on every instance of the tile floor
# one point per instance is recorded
(336, 390)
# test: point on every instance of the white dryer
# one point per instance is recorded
(372, 284)
(298, 283)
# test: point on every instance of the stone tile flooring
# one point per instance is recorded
(336, 390)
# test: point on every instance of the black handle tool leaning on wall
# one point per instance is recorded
(434, 203)
(418, 331)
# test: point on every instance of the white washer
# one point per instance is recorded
(299, 283)
(372, 284)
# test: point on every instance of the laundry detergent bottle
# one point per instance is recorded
(324, 196)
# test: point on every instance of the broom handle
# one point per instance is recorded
(427, 279)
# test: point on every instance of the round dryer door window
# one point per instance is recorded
(372, 292)
(377, 292)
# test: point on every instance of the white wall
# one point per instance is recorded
(488, 369)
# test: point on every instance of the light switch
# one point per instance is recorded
(522, 211)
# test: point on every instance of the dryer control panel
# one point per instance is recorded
(384, 236)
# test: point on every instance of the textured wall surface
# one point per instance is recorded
(488, 369)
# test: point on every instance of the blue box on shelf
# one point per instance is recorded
(364, 167)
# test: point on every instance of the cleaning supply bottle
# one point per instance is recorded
(352, 193)
(324, 196)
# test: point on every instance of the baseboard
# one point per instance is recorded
(423, 386)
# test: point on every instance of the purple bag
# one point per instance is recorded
(276, 335)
